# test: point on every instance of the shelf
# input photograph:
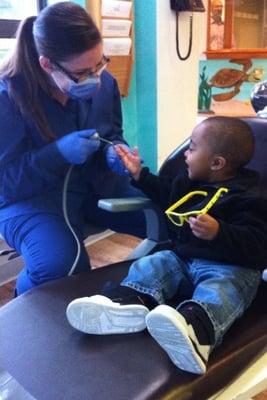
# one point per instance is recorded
(121, 65)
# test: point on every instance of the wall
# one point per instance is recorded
(140, 106)
(161, 108)
(177, 81)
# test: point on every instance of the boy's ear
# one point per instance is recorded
(218, 163)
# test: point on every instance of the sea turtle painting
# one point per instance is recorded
(233, 78)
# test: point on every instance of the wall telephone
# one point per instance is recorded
(186, 5)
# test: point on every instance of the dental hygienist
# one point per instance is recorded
(55, 95)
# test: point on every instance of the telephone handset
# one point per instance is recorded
(186, 5)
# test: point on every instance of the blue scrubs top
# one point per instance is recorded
(32, 172)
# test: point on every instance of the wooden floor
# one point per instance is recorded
(112, 249)
(106, 251)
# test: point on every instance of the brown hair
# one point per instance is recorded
(231, 138)
(59, 32)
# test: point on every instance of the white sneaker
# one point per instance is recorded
(101, 316)
(170, 329)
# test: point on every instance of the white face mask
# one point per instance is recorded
(78, 91)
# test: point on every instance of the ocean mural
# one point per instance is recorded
(225, 86)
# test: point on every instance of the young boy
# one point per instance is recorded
(212, 272)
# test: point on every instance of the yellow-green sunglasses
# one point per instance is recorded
(180, 218)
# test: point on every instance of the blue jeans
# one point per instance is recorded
(223, 291)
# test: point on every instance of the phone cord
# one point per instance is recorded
(183, 58)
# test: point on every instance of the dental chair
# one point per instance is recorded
(53, 361)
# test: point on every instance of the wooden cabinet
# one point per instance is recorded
(114, 18)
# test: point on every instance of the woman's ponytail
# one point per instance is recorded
(25, 76)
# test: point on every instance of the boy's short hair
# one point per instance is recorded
(232, 138)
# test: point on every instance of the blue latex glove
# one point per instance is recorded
(114, 162)
(77, 147)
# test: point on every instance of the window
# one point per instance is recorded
(11, 12)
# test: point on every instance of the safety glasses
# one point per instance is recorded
(82, 75)
(180, 218)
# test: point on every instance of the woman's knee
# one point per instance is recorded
(52, 266)
(56, 262)
(52, 254)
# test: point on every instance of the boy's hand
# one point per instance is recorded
(130, 159)
(204, 226)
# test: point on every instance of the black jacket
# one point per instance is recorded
(241, 213)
